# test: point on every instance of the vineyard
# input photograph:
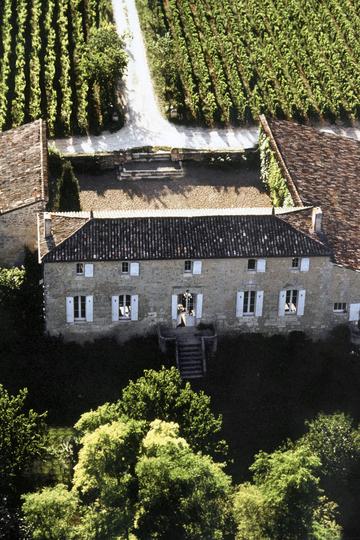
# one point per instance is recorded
(42, 71)
(226, 62)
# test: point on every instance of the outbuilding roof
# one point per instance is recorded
(185, 237)
(323, 170)
(23, 166)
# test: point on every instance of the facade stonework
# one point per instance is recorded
(18, 228)
(219, 282)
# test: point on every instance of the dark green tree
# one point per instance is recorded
(105, 57)
(22, 439)
(69, 196)
(164, 395)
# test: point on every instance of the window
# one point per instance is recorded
(79, 308)
(125, 306)
(256, 265)
(125, 267)
(80, 269)
(249, 303)
(291, 302)
(340, 307)
(295, 262)
(188, 267)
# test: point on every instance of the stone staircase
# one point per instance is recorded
(190, 358)
(154, 168)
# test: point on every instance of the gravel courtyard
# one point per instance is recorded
(201, 187)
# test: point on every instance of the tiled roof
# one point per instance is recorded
(23, 166)
(204, 237)
(323, 170)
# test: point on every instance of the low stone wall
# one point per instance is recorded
(105, 161)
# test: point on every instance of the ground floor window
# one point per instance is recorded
(125, 306)
(79, 308)
(249, 303)
(291, 301)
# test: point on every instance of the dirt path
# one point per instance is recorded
(144, 123)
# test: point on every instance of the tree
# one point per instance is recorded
(105, 56)
(22, 438)
(69, 197)
(182, 495)
(164, 395)
(51, 514)
(285, 501)
(134, 478)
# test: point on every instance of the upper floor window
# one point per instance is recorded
(256, 265)
(291, 302)
(340, 307)
(85, 269)
(192, 267)
(188, 267)
(125, 267)
(295, 262)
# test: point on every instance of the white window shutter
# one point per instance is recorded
(134, 307)
(197, 267)
(282, 300)
(174, 305)
(134, 269)
(240, 303)
(304, 264)
(89, 309)
(199, 305)
(261, 265)
(301, 302)
(69, 309)
(259, 303)
(354, 312)
(115, 308)
(89, 270)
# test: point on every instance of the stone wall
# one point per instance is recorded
(219, 282)
(18, 228)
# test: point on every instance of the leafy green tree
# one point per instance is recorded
(105, 57)
(22, 438)
(52, 513)
(164, 395)
(285, 502)
(182, 495)
(69, 197)
(336, 441)
(104, 478)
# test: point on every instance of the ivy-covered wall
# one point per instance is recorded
(271, 174)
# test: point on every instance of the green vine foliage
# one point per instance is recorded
(271, 174)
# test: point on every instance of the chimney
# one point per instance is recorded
(317, 216)
(47, 224)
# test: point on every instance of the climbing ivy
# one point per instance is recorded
(271, 174)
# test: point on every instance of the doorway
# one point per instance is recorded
(186, 309)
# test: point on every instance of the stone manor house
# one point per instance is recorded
(265, 270)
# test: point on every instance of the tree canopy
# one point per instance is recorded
(131, 478)
(22, 438)
(105, 56)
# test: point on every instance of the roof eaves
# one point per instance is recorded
(291, 184)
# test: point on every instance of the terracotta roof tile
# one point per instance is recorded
(23, 166)
(324, 169)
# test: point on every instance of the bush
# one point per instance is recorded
(69, 193)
